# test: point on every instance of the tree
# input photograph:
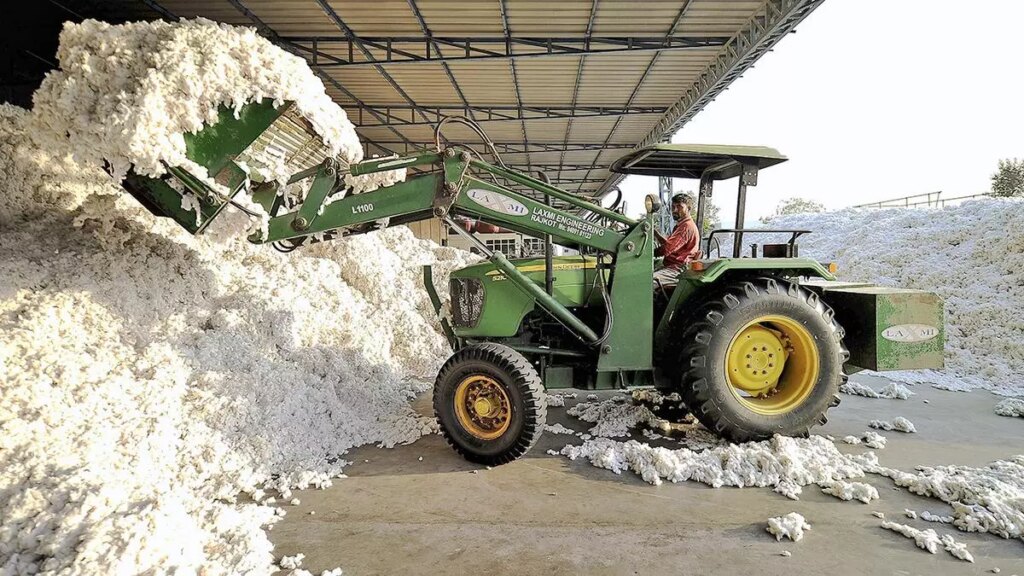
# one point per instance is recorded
(795, 206)
(1009, 179)
(712, 217)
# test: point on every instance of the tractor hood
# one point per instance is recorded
(486, 303)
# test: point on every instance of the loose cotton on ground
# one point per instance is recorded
(790, 526)
(985, 499)
(782, 463)
(151, 377)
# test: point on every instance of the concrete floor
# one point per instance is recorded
(546, 515)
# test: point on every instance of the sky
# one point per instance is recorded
(870, 100)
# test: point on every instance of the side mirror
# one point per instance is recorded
(652, 203)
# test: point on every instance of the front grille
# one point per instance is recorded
(467, 301)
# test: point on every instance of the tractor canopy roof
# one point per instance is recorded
(719, 161)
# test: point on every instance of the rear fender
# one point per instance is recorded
(706, 274)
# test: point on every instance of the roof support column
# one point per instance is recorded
(665, 213)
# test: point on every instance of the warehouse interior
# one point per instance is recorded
(263, 397)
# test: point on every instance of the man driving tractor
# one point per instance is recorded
(681, 246)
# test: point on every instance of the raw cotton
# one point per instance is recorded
(125, 96)
(929, 517)
(612, 418)
(925, 539)
(874, 440)
(972, 255)
(851, 490)
(150, 377)
(696, 437)
(152, 82)
(653, 397)
(899, 424)
(650, 434)
(790, 526)
(988, 499)
(929, 540)
(1012, 407)
(785, 464)
(557, 400)
(893, 390)
(558, 429)
(957, 549)
(292, 562)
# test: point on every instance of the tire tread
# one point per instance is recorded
(697, 338)
(524, 377)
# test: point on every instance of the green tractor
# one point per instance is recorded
(756, 345)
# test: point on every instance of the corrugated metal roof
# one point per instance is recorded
(565, 87)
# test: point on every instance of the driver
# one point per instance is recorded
(681, 246)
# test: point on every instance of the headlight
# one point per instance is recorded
(651, 203)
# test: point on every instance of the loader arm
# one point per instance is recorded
(244, 145)
(449, 189)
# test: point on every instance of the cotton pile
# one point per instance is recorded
(151, 378)
(972, 255)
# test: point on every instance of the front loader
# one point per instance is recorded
(757, 344)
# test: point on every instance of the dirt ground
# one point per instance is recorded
(398, 514)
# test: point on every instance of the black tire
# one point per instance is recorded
(711, 329)
(522, 387)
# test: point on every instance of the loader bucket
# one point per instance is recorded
(233, 150)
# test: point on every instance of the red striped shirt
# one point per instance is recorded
(681, 246)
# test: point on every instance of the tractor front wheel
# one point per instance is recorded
(489, 403)
(762, 357)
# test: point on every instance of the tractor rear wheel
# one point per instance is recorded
(489, 403)
(763, 356)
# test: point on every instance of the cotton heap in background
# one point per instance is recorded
(971, 255)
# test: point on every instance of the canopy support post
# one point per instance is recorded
(747, 178)
(703, 196)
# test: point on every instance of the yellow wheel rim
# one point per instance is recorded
(482, 407)
(772, 364)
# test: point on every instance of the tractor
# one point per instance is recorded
(756, 343)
